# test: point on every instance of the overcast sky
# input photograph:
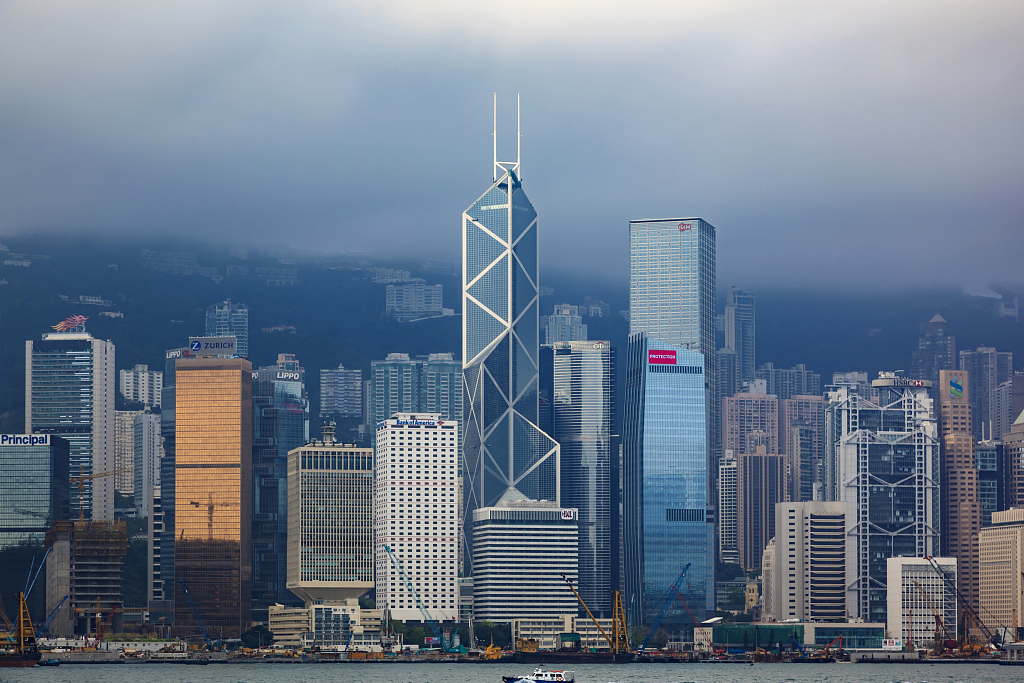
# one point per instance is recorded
(856, 144)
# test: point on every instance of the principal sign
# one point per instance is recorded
(24, 439)
(212, 346)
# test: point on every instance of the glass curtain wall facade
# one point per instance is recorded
(280, 421)
(667, 522)
(672, 297)
(70, 385)
(213, 494)
(226, 319)
(503, 446)
(33, 486)
(882, 461)
(739, 330)
(583, 410)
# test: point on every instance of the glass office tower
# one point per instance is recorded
(69, 381)
(33, 486)
(503, 446)
(582, 390)
(213, 494)
(667, 522)
(280, 423)
(226, 319)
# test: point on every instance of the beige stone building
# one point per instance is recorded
(1002, 560)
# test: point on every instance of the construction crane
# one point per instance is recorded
(965, 604)
(196, 615)
(619, 643)
(669, 599)
(49, 620)
(80, 481)
(32, 513)
(940, 625)
(692, 616)
(101, 632)
(209, 505)
(430, 621)
(3, 616)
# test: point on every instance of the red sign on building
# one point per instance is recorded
(656, 357)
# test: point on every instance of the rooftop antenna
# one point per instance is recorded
(519, 141)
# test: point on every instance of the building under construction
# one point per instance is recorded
(85, 564)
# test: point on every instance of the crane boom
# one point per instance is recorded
(935, 612)
(435, 628)
(964, 602)
(196, 615)
(49, 620)
(612, 645)
(669, 599)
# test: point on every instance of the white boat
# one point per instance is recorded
(540, 674)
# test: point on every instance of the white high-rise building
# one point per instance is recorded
(910, 615)
(523, 548)
(146, 468)
(417, 515)
(728, 545)
(124, 450)
(809, 564)
(142, 385)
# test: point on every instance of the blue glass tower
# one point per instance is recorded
(504, 449)
(667, 522)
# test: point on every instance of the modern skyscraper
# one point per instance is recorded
(523, 549)
(142, 385)
(69, 392)
(124, 450)
(33, 486)
(993, 482)
(739, 330)
(783, 384)
(280, 422)
(582, 391)
(745, 413)
(936, 350)
(1009, 404)
(341, 392)
(330, 520)
(1002, 559)
(504, 449)
(667, 520)
(417, 514)
(146, 467)
(213, 493)
(728, 548)
(427, 384)
(960, 506)
(988, 369)
(809, 562)
(801, 439)
(882, 462)
(760, 484)
(672, 298)
(1013, 450)
(226, 319)
(565, 324)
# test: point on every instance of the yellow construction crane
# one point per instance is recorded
(80, 481)
(209, 505)
(619, 643)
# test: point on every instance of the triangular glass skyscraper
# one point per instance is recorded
(503, 447)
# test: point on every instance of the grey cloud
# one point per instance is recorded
(852, 146)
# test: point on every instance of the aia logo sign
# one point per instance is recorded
(684, 226)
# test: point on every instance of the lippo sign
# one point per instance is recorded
(656, 357)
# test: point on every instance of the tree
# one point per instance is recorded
(257, 636)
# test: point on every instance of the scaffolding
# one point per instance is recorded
(86, 565)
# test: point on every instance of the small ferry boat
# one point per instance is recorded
(540, 674)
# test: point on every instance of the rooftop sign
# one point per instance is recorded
(212, 346)
(70, 323)
(658, 357)
(900, 382)
(24, 439)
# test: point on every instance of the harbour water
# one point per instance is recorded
(492, 673)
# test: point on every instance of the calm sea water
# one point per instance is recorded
(489, 673)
